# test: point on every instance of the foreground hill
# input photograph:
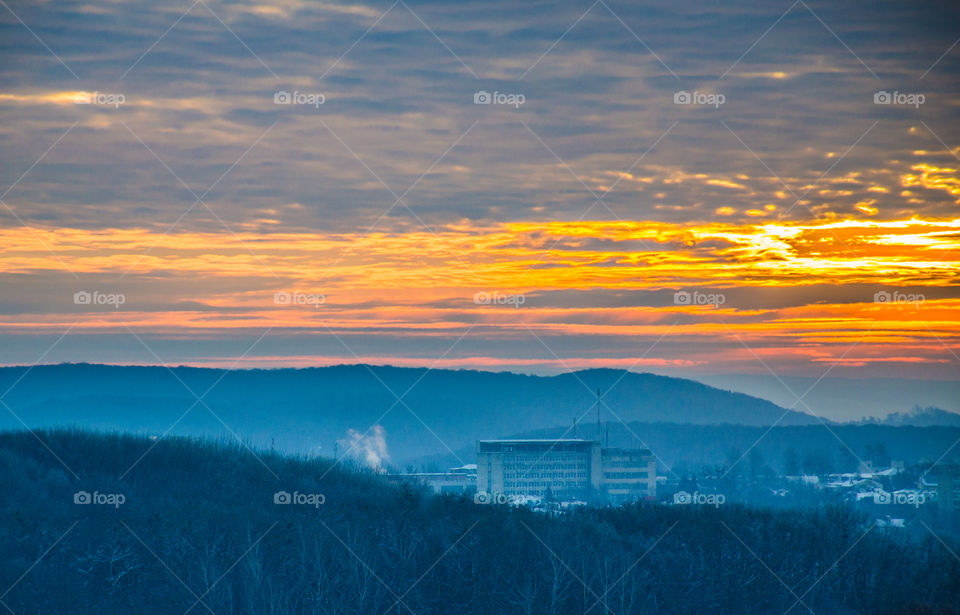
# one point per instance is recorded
(198, 530)
(302, 410)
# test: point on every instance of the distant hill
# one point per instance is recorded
(308, 410)
(919, 417)
(831, 448)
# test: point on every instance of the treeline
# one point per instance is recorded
(199, 531)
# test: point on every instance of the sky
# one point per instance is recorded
(680, 187)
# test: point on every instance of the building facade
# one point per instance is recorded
(455, 480)
(948, 488)
(628, 474)
(566, 469)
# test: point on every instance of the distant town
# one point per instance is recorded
(555, 474)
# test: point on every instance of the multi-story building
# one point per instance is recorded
(948, 488)
(455, 480)
(628, 474)
(569, 469)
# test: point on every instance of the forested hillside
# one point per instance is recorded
(422, 411)
(198, 531)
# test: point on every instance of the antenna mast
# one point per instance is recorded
(599, 433)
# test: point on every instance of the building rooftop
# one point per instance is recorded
(538, 441)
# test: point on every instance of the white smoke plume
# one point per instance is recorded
(371, 448)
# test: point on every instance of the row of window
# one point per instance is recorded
(642, 475)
